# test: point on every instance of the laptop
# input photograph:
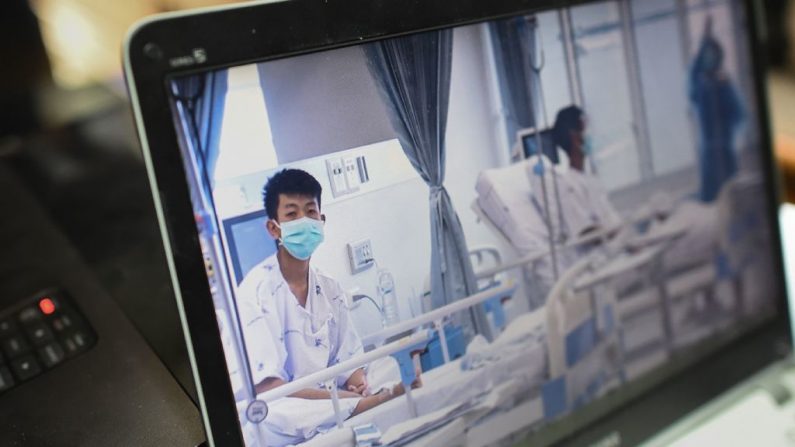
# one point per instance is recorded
(480, 223)
(74, 369)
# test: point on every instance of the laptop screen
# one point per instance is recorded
(448, 229)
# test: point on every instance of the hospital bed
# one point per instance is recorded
(516, 357)
(467, 375)
(582, 345)
(655, 297)
(506, 205)
(742, 239)
(643, 325)
(499, 381)
(544, 363)
(588, 337)
(702, 253)
(714, 261)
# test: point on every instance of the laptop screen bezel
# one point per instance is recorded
(176, 44)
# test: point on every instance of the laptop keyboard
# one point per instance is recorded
(39, 334)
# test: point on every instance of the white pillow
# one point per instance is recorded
(504, 195)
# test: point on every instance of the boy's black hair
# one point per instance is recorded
(291, 182)
(568, 119)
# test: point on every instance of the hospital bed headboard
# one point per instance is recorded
(504, 201)
(249, 243)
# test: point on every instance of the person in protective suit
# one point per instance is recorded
(719, 113)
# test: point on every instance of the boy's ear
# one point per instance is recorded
(273, 229)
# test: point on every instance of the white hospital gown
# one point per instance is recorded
(583, 200)
(583, 207)
(287, 341)
(592, 207)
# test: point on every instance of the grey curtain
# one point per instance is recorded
(511, 39)
(413, 77)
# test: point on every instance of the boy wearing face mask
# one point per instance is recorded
(586, 206)
(294, 318)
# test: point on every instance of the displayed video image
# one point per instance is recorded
(486, 226)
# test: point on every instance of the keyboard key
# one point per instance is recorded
(7, 328)
(71, 346)
(38, 336)
(6, 381)
(15, 346)
(29, 315)
(51, 354)
(38, 333)
(63, 322)
(81, 340)
(25, 367)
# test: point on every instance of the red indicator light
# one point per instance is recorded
(47, 306)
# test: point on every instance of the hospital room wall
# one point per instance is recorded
(396, 218)
(302, 91)
(473, 142)
(474, 133)
(400, 244)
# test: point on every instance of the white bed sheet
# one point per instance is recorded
(699, 243)
(518, 356)
(449, 384)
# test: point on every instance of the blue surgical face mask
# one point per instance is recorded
(301, 237)
(538, 168)
(587, 146)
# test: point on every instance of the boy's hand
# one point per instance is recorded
(357, 383)
(398, 389)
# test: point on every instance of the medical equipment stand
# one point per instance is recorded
(412, 404)
(331, 385)
(547, 218)
(665, 303)
(408, 372)
(439, 326)
(542, 104)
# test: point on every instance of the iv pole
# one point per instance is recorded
(562, 235)
(536, 68)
